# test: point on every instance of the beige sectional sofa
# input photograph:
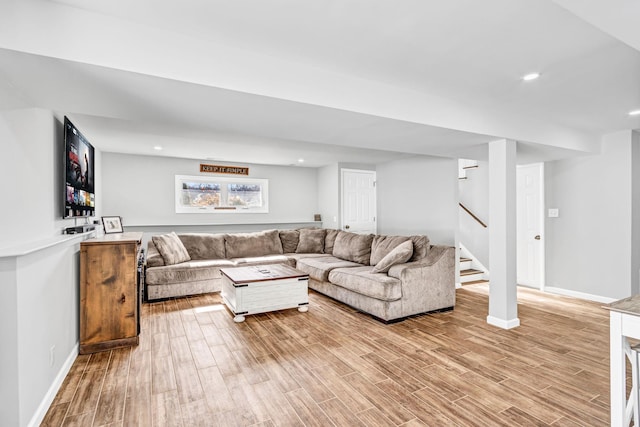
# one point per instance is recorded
(389, 277)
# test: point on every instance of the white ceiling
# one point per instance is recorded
(368, 81)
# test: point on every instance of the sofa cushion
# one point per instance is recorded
(204, 245)
(420, 247)
(264, 260)
(289, 240)
(330, 240)
(401, 254)
(382, 245)
(190, 271)
(171, 248)
(296, 257)
(242, 245)
(320, 267)
(361, 280)
(311, 241)
(353, 247)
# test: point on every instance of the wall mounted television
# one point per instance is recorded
(79, 172)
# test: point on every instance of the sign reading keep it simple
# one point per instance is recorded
(233, 170)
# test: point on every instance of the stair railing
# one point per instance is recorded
(472, 215)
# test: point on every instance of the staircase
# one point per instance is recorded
(468, 274)
(471, 269)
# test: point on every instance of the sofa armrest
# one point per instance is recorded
(428, 284)
(154, 259)
(436, 253)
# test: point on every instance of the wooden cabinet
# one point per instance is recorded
(109, 292)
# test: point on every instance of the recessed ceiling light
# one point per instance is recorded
(300, 160)
(634, 113)
(157, 148)
(531, 76)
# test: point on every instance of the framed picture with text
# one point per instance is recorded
(112, 224)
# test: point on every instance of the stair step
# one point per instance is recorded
(470, 275)
(476, 282)
(465, 263)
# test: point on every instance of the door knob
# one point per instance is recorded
(346, 227)
(537, 237)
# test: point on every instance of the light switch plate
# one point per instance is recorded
(554, 213)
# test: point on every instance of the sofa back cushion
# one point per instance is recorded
(330, 240)
(289, 240)
(420, 247)
(242, 245)
(382, 245)
(171, 248)
(204, 245)
(311, 241)
(353, 247)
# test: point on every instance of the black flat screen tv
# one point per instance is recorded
(79, 188)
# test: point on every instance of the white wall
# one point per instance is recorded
(474, 194)
(635, 215)
(48, 322)
(589, 246)
(419, 196)
(31, 142)
(140, 189)
(39, 278)
(10, 384)
(329, 195)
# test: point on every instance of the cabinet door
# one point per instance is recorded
(109, 302)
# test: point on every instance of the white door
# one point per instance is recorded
(530, 225)
(359, 201)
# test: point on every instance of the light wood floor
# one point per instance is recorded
(334, 366)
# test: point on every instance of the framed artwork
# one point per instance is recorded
(112, 224)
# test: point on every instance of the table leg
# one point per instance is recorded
(618, 369)
(238, 318)
(303, 308)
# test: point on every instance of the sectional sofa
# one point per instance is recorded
(389, 277)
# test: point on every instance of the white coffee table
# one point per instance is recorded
(264, 288)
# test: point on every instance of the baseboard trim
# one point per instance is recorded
(580, 295)
(504, 324)
(40, 413)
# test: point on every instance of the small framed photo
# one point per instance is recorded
(112, 224)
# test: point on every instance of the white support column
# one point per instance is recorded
(503, 301)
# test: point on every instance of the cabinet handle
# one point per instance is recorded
(123, 299)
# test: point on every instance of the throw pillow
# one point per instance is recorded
(171, 248)
(289, 239)
(311, 241)
(382, 245)
(399, 255)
